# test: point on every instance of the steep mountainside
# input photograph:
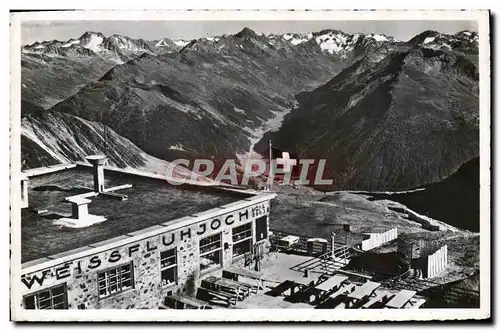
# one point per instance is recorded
(464, 41)
(71, 64)
(54, 70)
(49, 137)
(391, 121)
(342, 46)
(211, 98)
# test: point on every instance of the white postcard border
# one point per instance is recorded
(482, 18)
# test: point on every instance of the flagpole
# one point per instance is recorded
(270, 164)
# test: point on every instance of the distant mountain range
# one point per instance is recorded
(386, 114)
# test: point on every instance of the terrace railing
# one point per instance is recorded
(323, 263)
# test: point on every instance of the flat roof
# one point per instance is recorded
(150, 202)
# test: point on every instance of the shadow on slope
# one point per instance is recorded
(455, 200)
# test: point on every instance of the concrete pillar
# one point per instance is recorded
(333, 245)
(438, 261)
(431, 266)
(446, 255)
(98, 161)
(430, 271)
(24, 191)
(79, 208)
(434, 262)
(441, 259)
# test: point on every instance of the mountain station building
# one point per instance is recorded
(95, 239)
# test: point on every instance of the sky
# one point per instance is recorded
(32, 31)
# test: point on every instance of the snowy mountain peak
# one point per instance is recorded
(331, 41)
(246, 32)
(92, 42)
(116, 48)
(89, 34)
(161, 43)
(181, 42)
(463, 41)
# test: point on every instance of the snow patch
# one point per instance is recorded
(177, 147)
(30, 134)
(447, 46)
(181, 43)
(73, 42)
(332, 43)
(297, 41)
(379, 37)
(429, 40)
(116, 60)
(161, 43)
(241, 111)
(39, 47)
(94, 43)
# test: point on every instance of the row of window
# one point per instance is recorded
(121, 278)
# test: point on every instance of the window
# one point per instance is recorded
(168, 267)
(242, 239)
(51, 298)
(210, 252)
(115, 280)
(261, 228)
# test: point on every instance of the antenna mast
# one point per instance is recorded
(105, 134)
(270, 177)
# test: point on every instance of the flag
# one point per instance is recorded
(284, 160)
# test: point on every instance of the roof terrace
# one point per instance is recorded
(149, 202)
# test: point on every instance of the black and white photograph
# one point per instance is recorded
(253, 166)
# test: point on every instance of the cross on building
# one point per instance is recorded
(286, 161)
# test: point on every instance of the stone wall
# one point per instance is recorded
(79, 269)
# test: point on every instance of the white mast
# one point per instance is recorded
(270, 165)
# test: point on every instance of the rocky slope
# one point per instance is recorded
(49, 138)
(208, 99)
(392, 121)
(73, 63)
(395, 115)
(54, 70)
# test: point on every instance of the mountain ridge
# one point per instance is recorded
(408, 119)
(218, 95)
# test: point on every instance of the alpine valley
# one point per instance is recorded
(386, 114)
